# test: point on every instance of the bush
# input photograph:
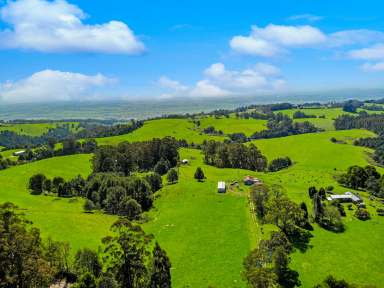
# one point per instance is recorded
(362, 214)
(199, 174)
(172, 176)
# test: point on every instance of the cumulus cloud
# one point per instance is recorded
(51, 85)
(219, 81)
(166, 82)
(273, 39)
(57, 26)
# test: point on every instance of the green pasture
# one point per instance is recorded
(234, 125)
(36, 129)
(60, 218)
(178, 128)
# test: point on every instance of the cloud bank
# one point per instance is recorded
(219, 81)
(52, 85)
(57, 26)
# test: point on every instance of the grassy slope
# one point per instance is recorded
(354, 254)
(206, 234)
(233, 125)
(178, 128)
(35, 129)
(324, 123)
(62, 219)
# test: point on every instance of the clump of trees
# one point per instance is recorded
(268, 265)
(332, 282)
(234, 155)
(172, 176)
(281, 125)
(366, 178)
(279, 164)
(210, 130)
(129, 258)
(328, 216)
(362, 214)
(137, 156)
(300, 115)
(372, 122)
(5, 162)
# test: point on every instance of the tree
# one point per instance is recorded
(47, 185)
(106, 280)
(87, 261)
(286, 277)
(260, 277)
(259, 197)
(161, 269)
(126, 254)
(22, 257)
(172, 176)
(155, 181)
(89, 205)
(87, 280)
(36, 183)
(130, 208)
(199, 174)
(162, 167)
(56, 182)
(362, 214)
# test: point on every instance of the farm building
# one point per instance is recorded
(185, 161)
(346, 197)
(19, 153)
(221, 187)
(250, 180)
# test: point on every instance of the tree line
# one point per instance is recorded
(281, 125)
(127, 258)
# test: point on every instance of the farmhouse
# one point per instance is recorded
(346, 197)
(19, 153)
(250, 180)
(221, 187)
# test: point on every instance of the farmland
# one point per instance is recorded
(207, 234)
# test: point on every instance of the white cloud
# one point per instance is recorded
(220, 82)
(205, 88)
(166, 82)
(371, 53)
(353, 37)
(373, 67)
(51, 85)
(272, 39)
(276, 39)
(57, 26)
(307, 17)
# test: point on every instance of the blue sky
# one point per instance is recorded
(81, 50)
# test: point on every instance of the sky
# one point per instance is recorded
(80, 50)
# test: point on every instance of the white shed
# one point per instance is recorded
(221, 187)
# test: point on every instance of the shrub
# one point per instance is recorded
(362, 214)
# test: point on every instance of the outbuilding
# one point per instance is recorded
(221, 187)
(250, 180)
(19, 153)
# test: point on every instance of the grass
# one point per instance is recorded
(353, 255)
(234, 125)
(324, 123)
(35, 129)
(205, 233)
(178, 128)
(59, 218)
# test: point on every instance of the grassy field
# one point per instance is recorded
(234, 125)
(353, 255)
(35, 129)
(325, 123)
(178, 128)
(60, 218)
(205, 233)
